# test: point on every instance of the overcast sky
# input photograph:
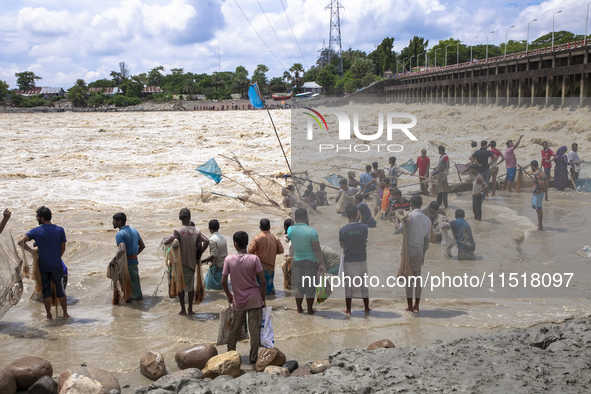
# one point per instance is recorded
(62, 40)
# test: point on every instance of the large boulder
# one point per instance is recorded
(7, 382)
(45, 385)
(169, 381)
(28, 370)
(382, 343)
(278, 371)
(300, 373)
(223, 364)
(152, 365)
(268, 357)
(319, 366)
(195, 356)
(87, 380)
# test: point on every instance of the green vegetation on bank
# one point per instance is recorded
(360, 69)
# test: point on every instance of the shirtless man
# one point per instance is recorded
(352, 182)
(5, 219)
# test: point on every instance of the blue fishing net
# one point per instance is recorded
(409, 166)
(211, 170)
(583, 185)
(254, 96)
(334, 179)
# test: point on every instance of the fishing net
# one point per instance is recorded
(584, 182)
(11, 279)
(334, 179)
(211, 170)
(409, 166)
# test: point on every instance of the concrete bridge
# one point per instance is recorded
(546, 76)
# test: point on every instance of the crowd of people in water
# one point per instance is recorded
(252, 268)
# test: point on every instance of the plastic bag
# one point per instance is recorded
(324, 290)
(226, 326)
(267, 334)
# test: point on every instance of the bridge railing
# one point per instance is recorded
(498, 59)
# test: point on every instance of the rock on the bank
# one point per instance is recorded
(87, 380)
(300, 373)
(152, 365)
(382, 343)
(291, 365)
(28, 370)
(195, 356)
(319, 366)
(45, 385)
(170, 380)
(268, 357)
(7, 382)
(224, 364)
(278, 371)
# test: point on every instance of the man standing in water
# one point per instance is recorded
(353, 240)
(573, 160)
(266, 246)
(494, 164)
(248, 298)
(188, 237)
(307, 259)
(511, 161)
(539, 188)
(442, 171)
(133, 246)
(423, 164)
(218, 250)
(51, 241)
(418, 236)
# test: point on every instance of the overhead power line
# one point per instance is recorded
(294, 36)
(255, 30)
(274, 32)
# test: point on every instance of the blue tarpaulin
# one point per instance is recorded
(254, 96)
(211, 170)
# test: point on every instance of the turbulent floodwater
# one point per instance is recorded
(86, 167)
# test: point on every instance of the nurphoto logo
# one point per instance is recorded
(345, 133)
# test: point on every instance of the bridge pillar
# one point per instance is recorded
(508, 91)
(533, 90)
(519, 91)
(547, 90)
(563, 93)
(582, 93)
(497, 89)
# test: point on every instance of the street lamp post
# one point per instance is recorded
(506, 30)
(426, 60)
(527, 41)
(410, 66)
(403, 60)
(553, 28)
(436, 56)
(471, 58)
(586, 20)
(446, 54)
(458, 53)
(487, 43)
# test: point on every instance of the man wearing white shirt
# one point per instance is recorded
(574, 161)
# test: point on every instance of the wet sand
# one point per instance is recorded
(86, 167)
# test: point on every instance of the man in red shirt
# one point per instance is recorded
(494, 164)
(423, 164)
(547, 157)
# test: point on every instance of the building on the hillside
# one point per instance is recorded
(311, 87)
(106, 91)
(151, 90)
(46, 92)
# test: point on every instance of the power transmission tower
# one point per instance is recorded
(334, 42)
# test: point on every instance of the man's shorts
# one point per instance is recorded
(547, 172)
(57, 277)
(536, 201)
(303, 273)
(511, 174)
(494, 171)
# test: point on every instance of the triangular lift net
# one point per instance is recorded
(211, 170)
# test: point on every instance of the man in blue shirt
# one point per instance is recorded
(366, 177)
(51, 244)
(133, 246)
(353, 240)
(463, 234)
